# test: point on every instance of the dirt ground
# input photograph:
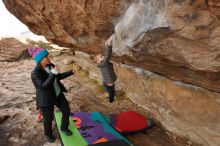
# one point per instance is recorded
(18, 120)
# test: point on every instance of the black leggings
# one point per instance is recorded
(111, 92)
(48, 113)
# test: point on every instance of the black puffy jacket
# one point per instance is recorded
(43, 83)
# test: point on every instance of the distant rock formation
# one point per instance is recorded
(11, 50)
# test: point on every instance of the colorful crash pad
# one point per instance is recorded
(128, 122)
(90, 129)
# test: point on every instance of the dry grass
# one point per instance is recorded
(100, 89)
(83, 73)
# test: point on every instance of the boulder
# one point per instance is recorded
(11, 50)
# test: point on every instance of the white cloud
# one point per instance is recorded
(9, 24)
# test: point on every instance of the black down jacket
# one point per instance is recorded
(43, 83)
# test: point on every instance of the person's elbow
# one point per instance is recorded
(43, 86)
(38, 83)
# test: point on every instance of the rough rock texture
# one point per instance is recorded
(190, 54)
(82, 23)
(178, 39)
(18, 115)
(183, 109)
(214, 6)
(12, 49)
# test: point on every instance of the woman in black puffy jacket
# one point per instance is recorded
(49, 91)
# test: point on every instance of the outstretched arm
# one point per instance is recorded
(107, 51)
(107, 56)
(61, 75)
(65, 74)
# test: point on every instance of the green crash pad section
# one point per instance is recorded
(74, 140)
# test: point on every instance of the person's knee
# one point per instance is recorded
(66, 112)
(67, 107)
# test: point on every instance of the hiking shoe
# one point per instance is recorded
(50, 139)
(67, 132)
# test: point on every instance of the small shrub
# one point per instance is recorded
(100, 89)
(94, 81)
(39, 43)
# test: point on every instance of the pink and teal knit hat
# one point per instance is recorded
(38, 53)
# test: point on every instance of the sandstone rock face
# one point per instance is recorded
(79, 23)
(214, 6)
(178, 39)
(183, 109)
(187, 49)
(12, 49)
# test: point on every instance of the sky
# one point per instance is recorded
(9, 24)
